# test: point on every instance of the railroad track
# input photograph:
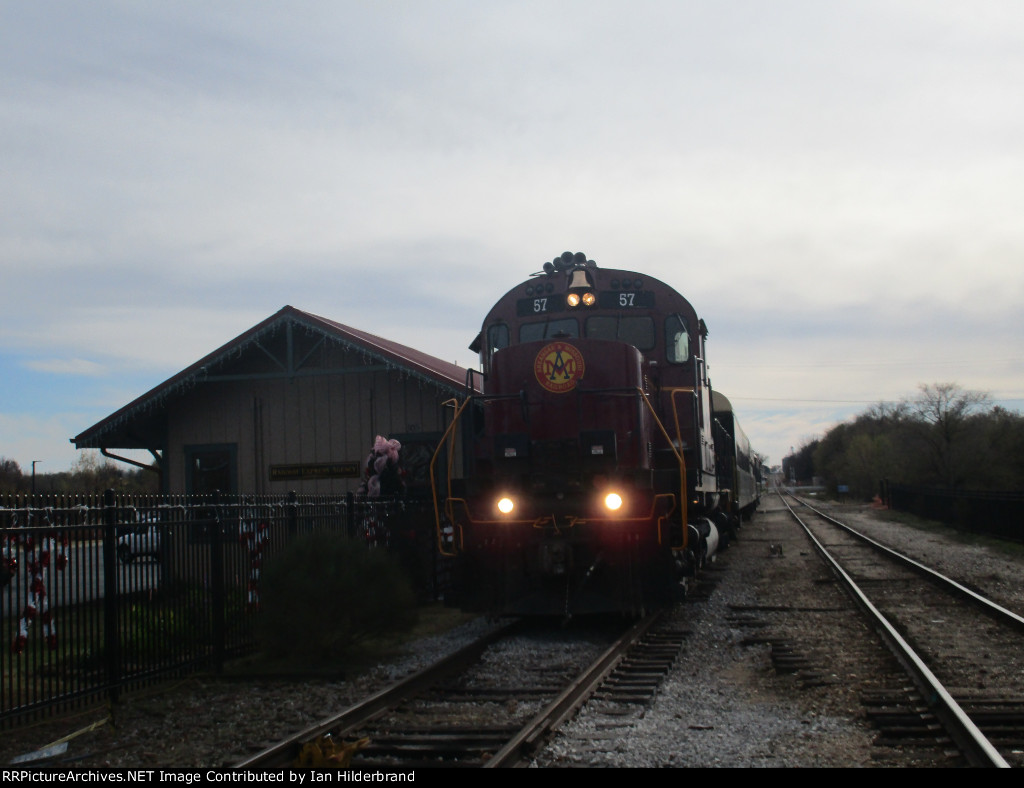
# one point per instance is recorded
(490, 705)
(963, 652)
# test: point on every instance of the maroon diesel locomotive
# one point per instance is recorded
(581, 476)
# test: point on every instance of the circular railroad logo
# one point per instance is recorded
(558, 367)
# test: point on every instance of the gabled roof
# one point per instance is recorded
(136, 425)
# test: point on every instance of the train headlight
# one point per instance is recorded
(506, 505)
(613, 502)
(585, 297)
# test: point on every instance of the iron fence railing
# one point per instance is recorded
(104, 592)
(999, 514)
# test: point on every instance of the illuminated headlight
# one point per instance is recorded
(505, 505)
(575, 298)
(613, 502)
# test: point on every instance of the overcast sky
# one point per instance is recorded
(837, 187)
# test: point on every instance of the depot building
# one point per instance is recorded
(294, 403)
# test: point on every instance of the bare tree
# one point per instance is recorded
(942, 414)
(11, 477)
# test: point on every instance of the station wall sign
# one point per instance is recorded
(316, 470)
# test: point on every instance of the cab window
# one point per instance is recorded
(567, 327)
(677, 340)
(497, 338)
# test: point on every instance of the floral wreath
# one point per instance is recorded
(383, 474)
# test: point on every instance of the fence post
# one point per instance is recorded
(293, 513)
(218, 598)
(111, 633)
(350, 522)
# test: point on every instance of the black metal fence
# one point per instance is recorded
(998, 514)
(105, 592)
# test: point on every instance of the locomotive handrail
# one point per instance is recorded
(683, 497)
(449, 438)
(675, 411)
(459, 407)
(696, 427)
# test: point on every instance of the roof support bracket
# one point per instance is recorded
(136, 463)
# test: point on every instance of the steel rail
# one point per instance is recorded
(997, 611)
(554, 714)
(569, 701)
(284, 752)
(971, 741)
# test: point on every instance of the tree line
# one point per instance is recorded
(90, 473)
(945, 437)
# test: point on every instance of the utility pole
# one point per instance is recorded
(34, 476)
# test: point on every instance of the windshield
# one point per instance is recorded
(636, 331)
(567, 327)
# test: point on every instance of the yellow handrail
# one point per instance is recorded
(448, 436)
(683, 497)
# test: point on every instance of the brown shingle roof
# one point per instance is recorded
(134, 425)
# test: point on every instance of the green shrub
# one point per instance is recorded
(326, 594)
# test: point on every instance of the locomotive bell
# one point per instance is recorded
(579, 279)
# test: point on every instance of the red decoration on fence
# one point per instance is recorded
(52, 544)
(252, 535)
